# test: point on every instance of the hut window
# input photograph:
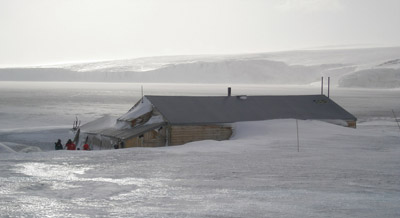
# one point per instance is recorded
(141, 136)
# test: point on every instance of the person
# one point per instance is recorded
(58, 145)
(116, 146)
(121, 144)
(86, 147)
(70, 145)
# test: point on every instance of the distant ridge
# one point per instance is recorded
(365, 67)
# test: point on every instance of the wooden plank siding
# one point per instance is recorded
(351, 123)
(180, 135)
(183, 134)
(151, 138)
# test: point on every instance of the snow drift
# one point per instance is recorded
(339, 172)
(10, 147)
(372, 78)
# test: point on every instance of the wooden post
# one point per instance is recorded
(395, 117)
(168, 135)
(101, 143)
(297, 127)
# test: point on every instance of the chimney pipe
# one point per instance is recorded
(229, 91)
(322, 85)
(329, 82)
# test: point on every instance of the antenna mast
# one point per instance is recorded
(142, 93)
(329, 85)
(322, 85)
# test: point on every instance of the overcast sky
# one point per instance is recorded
(35, 32)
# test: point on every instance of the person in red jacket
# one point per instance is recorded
(70, 145)
(86, 147)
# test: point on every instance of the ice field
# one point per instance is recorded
(338, 171)
(362, 68)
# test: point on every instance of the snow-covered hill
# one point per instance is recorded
(367, 67)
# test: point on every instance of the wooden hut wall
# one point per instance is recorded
(151, 138)
(183, 134)
(351, 123)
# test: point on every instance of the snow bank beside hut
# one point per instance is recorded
(339, 172)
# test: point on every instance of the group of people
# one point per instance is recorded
(70, 146)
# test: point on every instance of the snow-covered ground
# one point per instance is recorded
(338, 172)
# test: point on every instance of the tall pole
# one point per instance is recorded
(142, 93)
(322, 85)
(329, 85)
(297, 127)
(395, 117)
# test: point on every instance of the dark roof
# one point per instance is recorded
(126, 133)
(203, 110)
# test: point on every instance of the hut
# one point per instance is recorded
(176, 120)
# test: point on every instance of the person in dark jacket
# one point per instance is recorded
(121, 144)
(58, 145)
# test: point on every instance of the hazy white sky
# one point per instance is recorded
(36, 32)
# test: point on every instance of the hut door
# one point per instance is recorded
(141, 140)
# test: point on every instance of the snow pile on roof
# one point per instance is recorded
(155, 119)
(104, 122)
(138, 110)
